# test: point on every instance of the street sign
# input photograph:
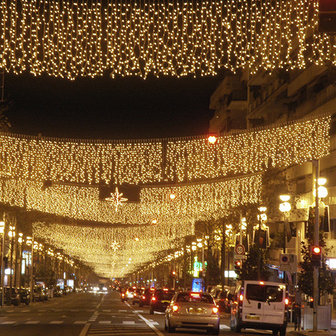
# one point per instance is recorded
(288, 262)
(240, 249)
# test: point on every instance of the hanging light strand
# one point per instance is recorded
(71, 39)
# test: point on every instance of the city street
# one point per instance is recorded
(88, 314)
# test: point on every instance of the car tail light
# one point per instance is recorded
(241, 297)
(175, 308)
(122, 294)
(144, 297)
(215, 310)
(135, 294)
(286, 301)
(153, 298)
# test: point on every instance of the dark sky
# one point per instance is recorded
(106, 108)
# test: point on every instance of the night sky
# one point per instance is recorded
(106, 108)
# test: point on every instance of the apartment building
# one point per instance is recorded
(246, 101)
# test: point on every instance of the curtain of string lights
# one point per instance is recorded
(112, 252)
(71, 39)
(163, 160)
(27, 162)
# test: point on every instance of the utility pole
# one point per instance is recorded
(316, 165)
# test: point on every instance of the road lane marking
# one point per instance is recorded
(56, 322)
(7, 322)
(104, 322)
(151, 325)
(85, 329)
(80, 322)
(32, 322)
(223, 326)
(128, 322)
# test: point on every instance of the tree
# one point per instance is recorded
(305, 280)
(254, 268)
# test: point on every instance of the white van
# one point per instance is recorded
(259, 305)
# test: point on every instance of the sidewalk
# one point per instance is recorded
(332, 332)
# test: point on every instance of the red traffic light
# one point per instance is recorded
(316, 250)
(238, 263)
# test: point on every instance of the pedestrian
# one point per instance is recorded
(297, 310)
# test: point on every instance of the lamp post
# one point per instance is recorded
(19, 265)
(30, 242)
(11, 234)
(262, 217)
(285, 207)
(2, 231)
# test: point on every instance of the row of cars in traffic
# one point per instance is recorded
(252, 304)
(16, 296)
(201, 308)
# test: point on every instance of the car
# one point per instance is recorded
(11, 296)
(160, 300)
(127, 294)
(193, 310)
(57, 292)
(260, 305)
(222, 301)
(24, 296)
(137, 296)
(38, 294)
(145, 297)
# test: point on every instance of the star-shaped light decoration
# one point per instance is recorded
(116, 199)
(115, 246)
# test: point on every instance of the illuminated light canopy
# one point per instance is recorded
(38, 182)
(163, 160)
(71, 39)
(131, 247)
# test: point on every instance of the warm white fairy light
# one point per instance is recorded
(39, 168)
(165, 160)
(70, 39)
(92, 245)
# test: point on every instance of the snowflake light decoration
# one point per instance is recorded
(115, 246)
(116, 199)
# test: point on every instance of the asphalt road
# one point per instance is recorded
(85, 314)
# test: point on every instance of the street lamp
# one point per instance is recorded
(285, 207)
(2, 232)
(11, 234)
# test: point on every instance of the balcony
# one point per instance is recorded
(237, 100)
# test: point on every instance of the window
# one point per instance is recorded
(264, 293)
(194, 297)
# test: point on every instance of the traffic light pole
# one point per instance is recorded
(316, 164)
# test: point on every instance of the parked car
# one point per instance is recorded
(260, 305)
(192, 310)
(11, 297)
(38, 294)
(24, 296)
(160, 300)
(57, 291)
